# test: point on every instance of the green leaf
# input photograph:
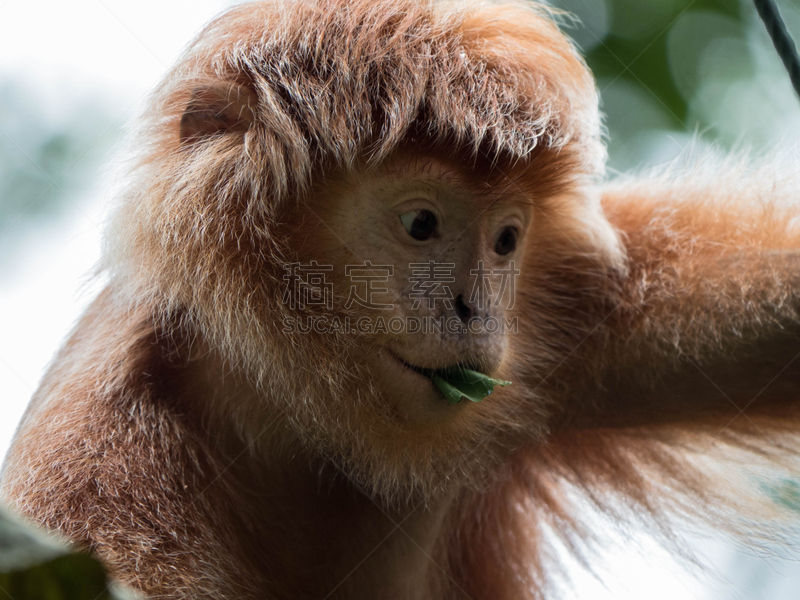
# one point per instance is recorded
(457, 383)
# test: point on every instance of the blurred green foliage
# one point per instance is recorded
(636, 46)
(34, 566)
(678, 72)
(46, 161)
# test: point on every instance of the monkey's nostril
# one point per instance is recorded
(463, 311)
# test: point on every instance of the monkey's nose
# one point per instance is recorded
(463, 310)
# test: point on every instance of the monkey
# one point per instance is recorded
(215, 428)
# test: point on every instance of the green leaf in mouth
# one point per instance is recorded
(457, 383)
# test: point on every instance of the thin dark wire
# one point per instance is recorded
(781, 39)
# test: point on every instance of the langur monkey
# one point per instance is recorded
(246, 411)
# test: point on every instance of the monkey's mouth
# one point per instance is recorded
(445, 371)
(464, 380)
(429, 372)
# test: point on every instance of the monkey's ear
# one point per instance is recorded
(217, 109)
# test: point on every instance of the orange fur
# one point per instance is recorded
(202, 452)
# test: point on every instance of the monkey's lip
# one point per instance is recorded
(406, 366)
(428, 372)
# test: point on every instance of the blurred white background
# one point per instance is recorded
(72, 75)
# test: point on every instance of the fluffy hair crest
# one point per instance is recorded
(495, 80)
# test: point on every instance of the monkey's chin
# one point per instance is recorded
(413, 395)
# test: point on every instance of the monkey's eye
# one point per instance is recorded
(420, 224)
(507, 241)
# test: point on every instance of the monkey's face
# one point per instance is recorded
(336, 300)
(421, 256)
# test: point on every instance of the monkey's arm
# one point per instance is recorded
(704, 325)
